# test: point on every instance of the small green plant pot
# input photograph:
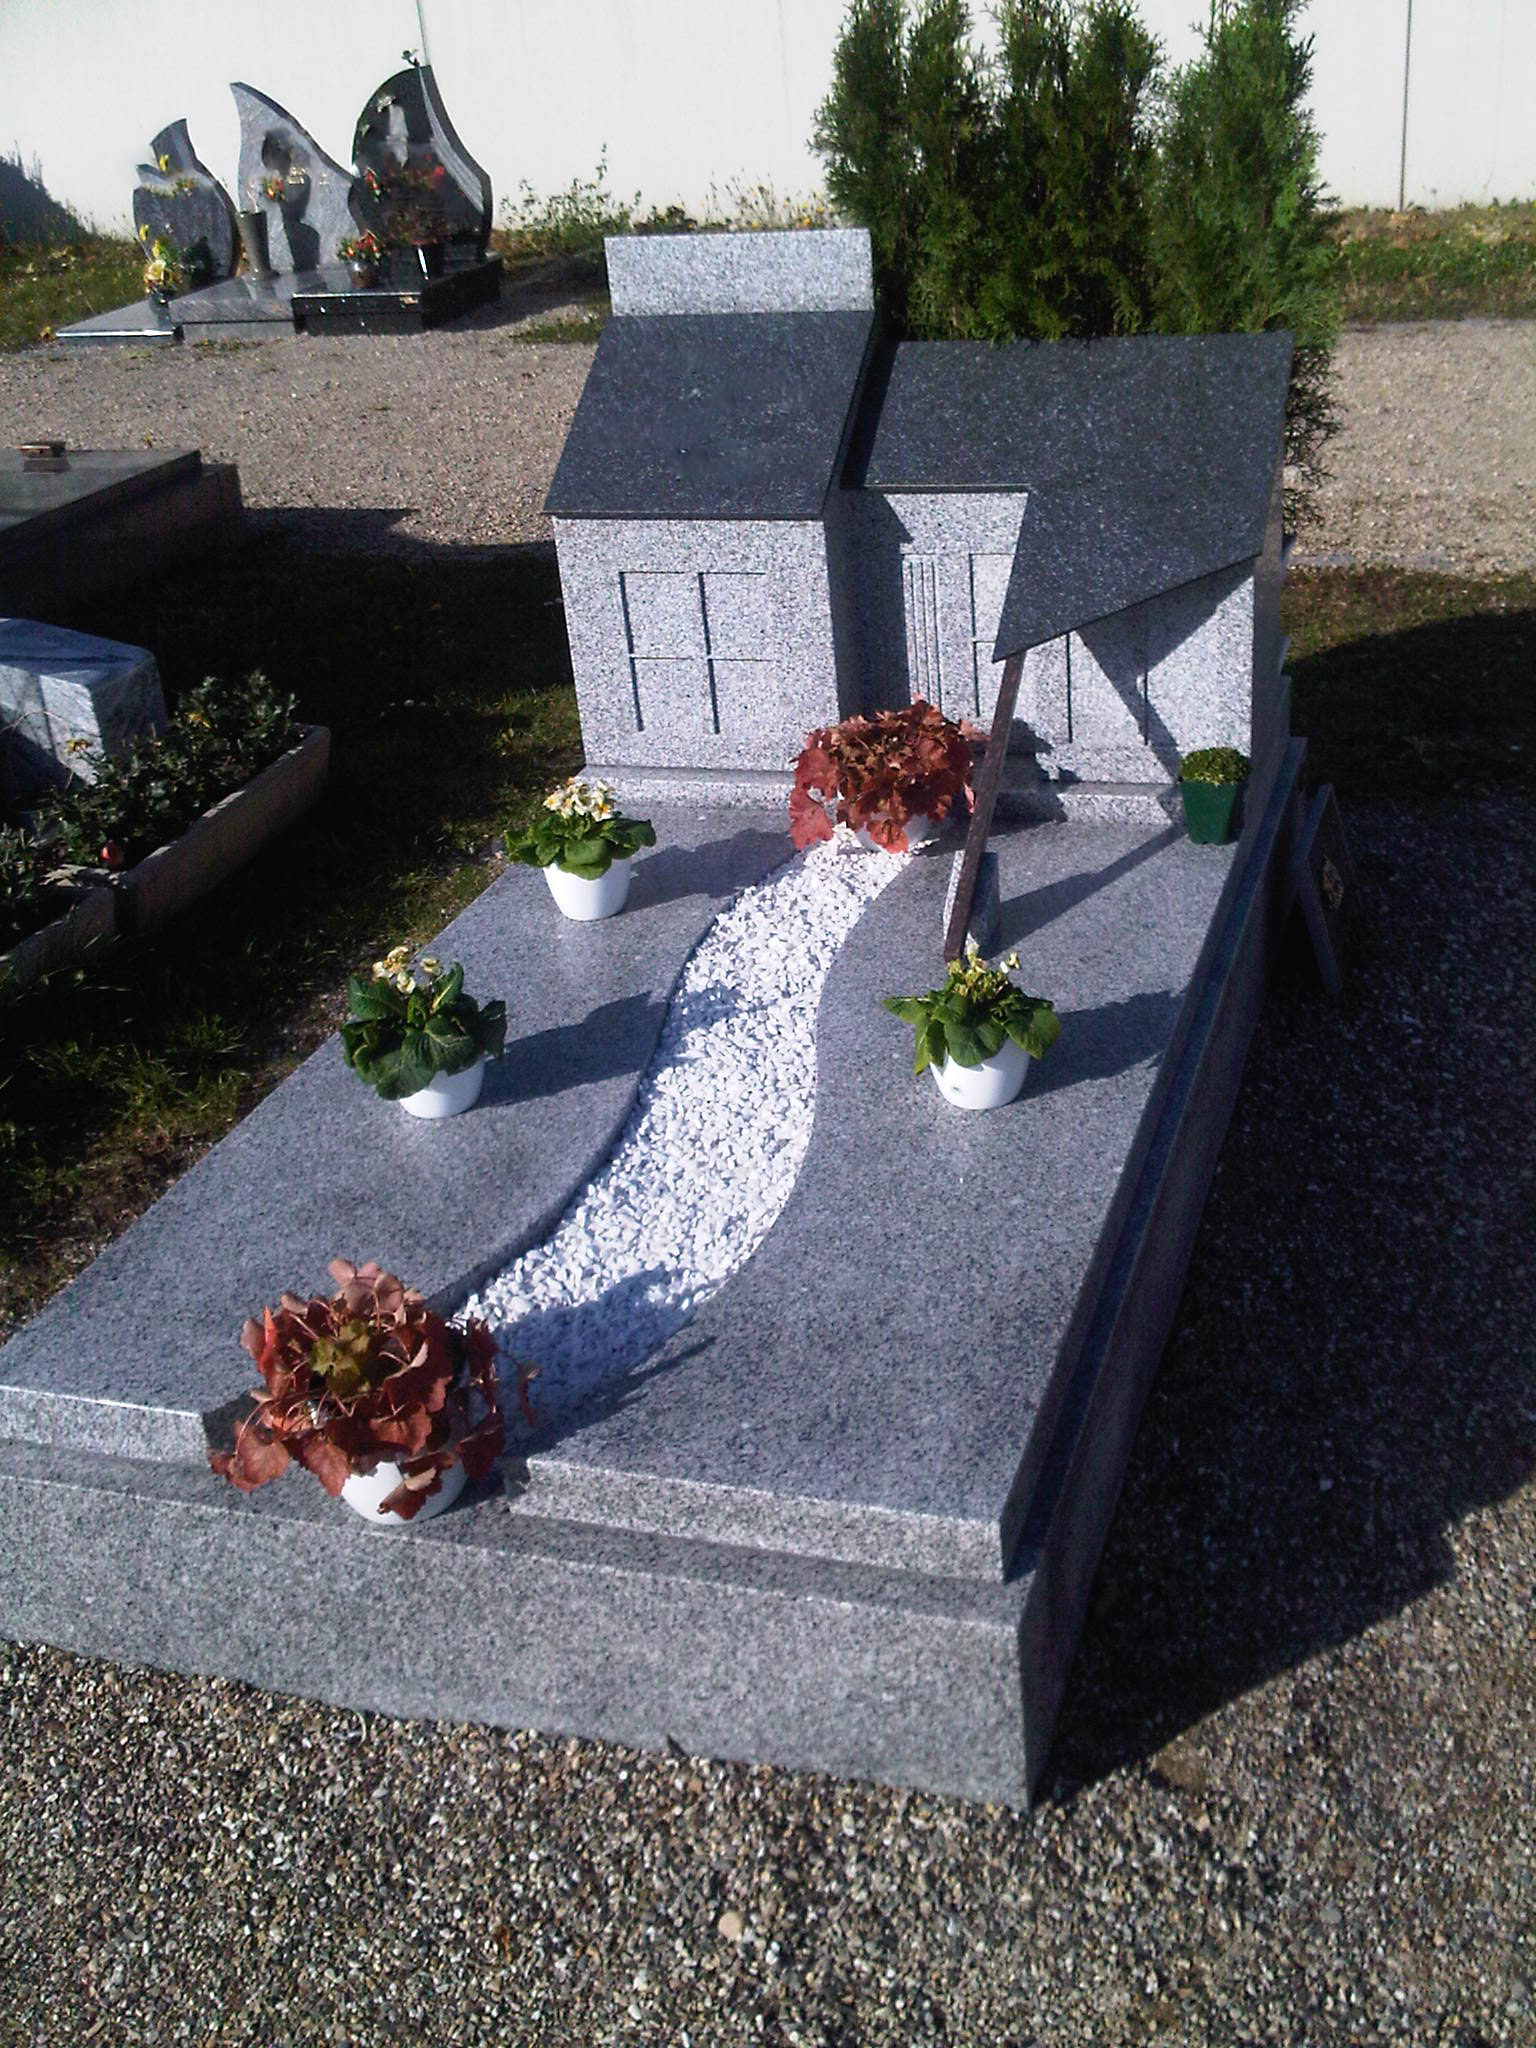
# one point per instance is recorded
(1210, 810)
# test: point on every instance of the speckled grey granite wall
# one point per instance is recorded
(822, 270)
(704, 644)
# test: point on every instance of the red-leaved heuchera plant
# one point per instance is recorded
(876, 773)
(368, 1375)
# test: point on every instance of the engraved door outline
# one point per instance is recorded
(920, 603)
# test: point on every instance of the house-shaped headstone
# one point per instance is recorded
(698, 501)
(764, 522)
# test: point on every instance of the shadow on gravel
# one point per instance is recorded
(1350, 1374)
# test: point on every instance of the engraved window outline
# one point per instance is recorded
(709, 657)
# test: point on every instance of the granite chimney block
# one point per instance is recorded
(66, 699)
(825, 270)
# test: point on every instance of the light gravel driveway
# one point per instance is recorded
(451, 438)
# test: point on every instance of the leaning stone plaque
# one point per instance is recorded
(1325, 882)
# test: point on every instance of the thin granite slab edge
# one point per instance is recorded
(878, 1384)
(140, 1357)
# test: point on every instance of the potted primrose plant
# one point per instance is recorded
(1211, 784)
(390, 1407)
(422, 1043)
(892, 779)
(585, 846)
(976, 1034)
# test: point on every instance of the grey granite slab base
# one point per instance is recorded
(939, 1679)
(140, 324)
(139, 1356)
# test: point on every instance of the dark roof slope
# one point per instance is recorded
(713, 416)
(1148, 460)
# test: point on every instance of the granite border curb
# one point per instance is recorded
(90, 921)
(227, 835)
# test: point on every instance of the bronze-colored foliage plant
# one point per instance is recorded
(367, 1375)
(878, 772)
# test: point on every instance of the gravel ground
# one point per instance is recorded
(1294, 1790)
(451, 438)
(1291, 1800)
(1436, 465)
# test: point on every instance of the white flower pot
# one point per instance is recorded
(997, 1080)
(447, 1094)
(584, 898)
(919, 832)
(363, 1492)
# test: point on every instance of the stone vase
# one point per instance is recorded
(364, 276)
(253, 239)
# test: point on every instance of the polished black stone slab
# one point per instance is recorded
(713, 416)
(412, 164)
(1149, 460)
(140, 324)
(34, 502)
(336, 306)
(179, 201)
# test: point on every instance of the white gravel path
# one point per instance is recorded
(712, 1146)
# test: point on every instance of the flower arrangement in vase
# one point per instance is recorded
(893, 779)
(165, 272)
(585, 845)
(363, 255)
(389, 1406)
(977, 1034)
(421, 1042)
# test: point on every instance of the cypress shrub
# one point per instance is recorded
(1239, 239)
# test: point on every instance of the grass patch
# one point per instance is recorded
(446, 686)
(1413, 684)
(1465, 261)
(45, 288)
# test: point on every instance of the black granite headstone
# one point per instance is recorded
(418, 184)
(180, 202)
(305, 194)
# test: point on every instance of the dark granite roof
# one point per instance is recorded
(712, 416)
(1148, 461)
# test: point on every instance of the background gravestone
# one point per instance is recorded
(284, 173)
(416, 174)
(179, 201)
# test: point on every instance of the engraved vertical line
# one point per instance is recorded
(629, 642)
(1069, 689)
(709, 656)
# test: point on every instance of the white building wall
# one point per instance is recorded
(684, 95)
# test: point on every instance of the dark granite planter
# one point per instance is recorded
(1209, 810)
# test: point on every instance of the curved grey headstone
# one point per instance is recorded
(311, 216)
(181, 202)
(405, 128)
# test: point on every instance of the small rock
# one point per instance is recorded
(731, 1926)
